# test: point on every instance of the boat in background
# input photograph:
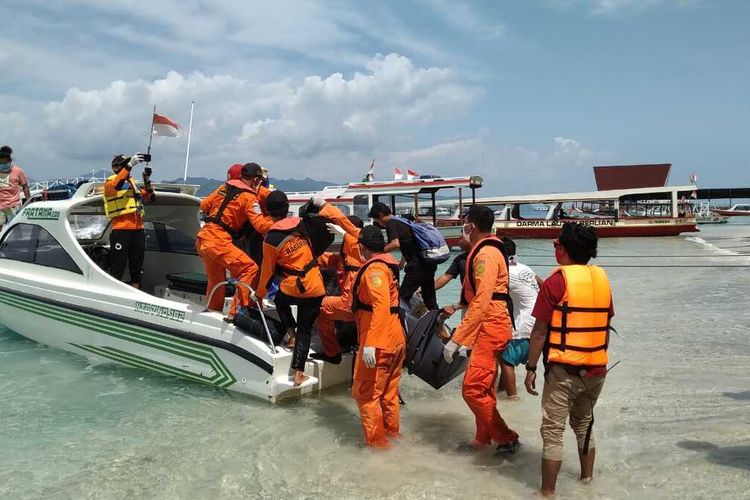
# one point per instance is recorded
(414, 197)
(705, 213)
(654, 211)
(737, 210)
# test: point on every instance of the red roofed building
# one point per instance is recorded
(631, 176)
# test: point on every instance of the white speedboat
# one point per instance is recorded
(55, 290)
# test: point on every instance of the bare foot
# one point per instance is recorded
(299, 377)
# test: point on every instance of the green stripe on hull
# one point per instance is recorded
(129, 333)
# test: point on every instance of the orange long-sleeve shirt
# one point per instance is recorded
(378, 287)
(244, 208)
(134, 220)
(294, 253)
(484, 316)
(350, 245)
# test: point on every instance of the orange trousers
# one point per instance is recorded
(334, 308)
(376, 392)
(479, 392)
(218, 257)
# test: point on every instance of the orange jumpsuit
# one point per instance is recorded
(486, 330)
(339, 307)
(376, 389)
(214, 243)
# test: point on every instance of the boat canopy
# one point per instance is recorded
(615, 194)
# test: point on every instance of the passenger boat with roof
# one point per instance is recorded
(705, 213)
(55, 290)
(416, 197)
(656, 211)
(737, 210)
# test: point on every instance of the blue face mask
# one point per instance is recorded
(5, 167)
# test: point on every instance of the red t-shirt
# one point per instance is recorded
(551, 293)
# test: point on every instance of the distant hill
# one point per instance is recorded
(207, 185)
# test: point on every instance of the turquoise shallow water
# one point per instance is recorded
(673, 420)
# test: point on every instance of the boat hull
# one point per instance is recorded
(104, 337)
(550, 229)
(732, 213)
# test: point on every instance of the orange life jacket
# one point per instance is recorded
(357, 304)
(469, 288)
(578, 333)
(231, 190)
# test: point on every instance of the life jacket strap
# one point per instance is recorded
(351, 269)
(578, 348)
(299, 273)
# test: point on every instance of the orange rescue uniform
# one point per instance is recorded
(486, 330)
(348, 261)
(214, 243)
(378, 325)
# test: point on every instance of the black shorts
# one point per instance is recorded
(126, 249)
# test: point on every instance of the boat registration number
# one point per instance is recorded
(159, 311)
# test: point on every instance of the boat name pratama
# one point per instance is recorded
(159, 311)
(559, 223)
(41, 213)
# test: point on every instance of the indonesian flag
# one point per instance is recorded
(411, 174)
(397, 173)
(165, 127)
(693, 178)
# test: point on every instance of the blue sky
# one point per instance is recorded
(529, 94)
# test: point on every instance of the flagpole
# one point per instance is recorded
(187, 152)
(151, 131)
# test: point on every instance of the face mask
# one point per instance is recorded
(465, 234)
(5, 167)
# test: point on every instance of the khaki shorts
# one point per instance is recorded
(7, 214)
(567, 394)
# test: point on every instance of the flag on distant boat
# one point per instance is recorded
(693, 178)
(411, 174)
(165, 127)
(370, 173)
(397, 173)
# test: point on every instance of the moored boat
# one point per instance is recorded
(656, 211)
(737, 210)
(55, 290)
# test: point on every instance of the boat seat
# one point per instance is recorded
(193, 283)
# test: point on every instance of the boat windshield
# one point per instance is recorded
(88, 227)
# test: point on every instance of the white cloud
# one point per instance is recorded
(289, 125)
(604, 7)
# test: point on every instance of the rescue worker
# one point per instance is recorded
(348, 262)
(573, 313)
(485, 329)
(382, 344)
(287, 251)
(228, 209)
(123, 205)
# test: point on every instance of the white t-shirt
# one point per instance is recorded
(523, 291)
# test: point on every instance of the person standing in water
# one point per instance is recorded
(573, 313)
(524, 288)
(486, 329)
(382, 342)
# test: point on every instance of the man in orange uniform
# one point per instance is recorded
(485, 329)
(348, 261)
(382, 344)
(573, 313)
(123, 204)
(228, 209)
(287, 251)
